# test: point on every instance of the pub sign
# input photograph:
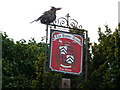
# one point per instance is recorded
(66, 53)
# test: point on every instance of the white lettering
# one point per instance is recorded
(68, 36)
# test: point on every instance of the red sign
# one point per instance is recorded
(66, 52)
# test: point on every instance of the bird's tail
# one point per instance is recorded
(36, 20)
(33, 21)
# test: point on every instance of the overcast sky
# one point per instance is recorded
(16, 15)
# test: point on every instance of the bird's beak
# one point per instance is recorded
(58, 8)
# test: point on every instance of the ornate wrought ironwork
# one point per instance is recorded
(67, 22)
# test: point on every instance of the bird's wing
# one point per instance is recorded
(49, 15)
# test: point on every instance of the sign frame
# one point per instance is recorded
(71, 60)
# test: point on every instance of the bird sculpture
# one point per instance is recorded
(48, 16)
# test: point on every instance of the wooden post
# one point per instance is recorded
(86, 57)
(46, 51)
(66, 84)
(0, 61)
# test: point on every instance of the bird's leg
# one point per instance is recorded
(54, 24)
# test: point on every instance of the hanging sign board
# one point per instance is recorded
(66, 52)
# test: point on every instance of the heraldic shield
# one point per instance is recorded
(66, 52)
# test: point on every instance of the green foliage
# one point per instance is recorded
(105, 63)
(17, 62)
(44, 79)
(39, 64)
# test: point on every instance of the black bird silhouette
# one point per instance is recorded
(48, 16)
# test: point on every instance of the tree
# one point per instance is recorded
(104, 65)
(44, 79)
(17, 62)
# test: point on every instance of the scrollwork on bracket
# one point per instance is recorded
(66, 22)
(62, 21)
